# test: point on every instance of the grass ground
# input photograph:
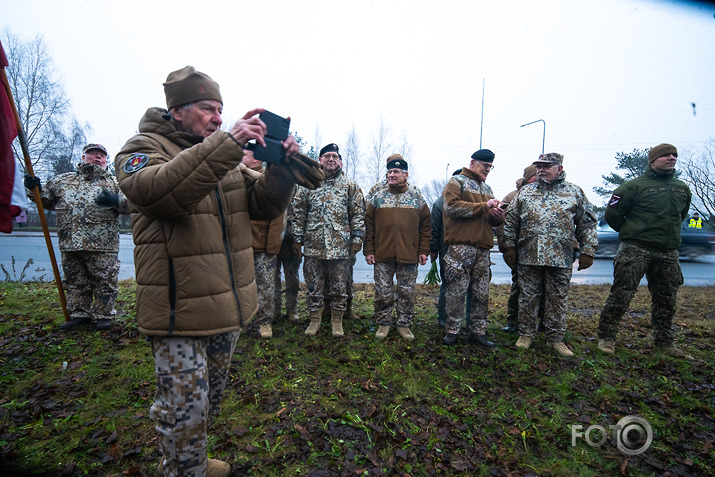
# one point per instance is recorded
(76, 403)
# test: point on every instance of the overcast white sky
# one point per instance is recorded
(605, 76)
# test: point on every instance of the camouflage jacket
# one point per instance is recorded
(467, 219)
(82, 225)
(329, 219)
(397, 225)
(543, 220)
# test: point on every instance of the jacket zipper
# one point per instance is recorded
(227, 251)
(172, 296)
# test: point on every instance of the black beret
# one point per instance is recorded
(332, 147)
(396, 161)
(484, 155)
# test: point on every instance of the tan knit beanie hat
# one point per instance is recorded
(188, 85)
(661, 150)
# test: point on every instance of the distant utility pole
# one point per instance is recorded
(481, 121)
(543, 141)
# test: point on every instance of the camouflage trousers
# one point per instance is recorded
(335, 273)
(91, 284)
(442, 300)
(662, 270)
(348, 286)
(550, 284)
(291, 267)
(512, 306)
(265, 265)
(406, 274)
(467, 270)
(191, 374)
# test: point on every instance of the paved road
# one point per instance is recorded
(30, 245)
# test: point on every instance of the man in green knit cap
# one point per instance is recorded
(647, 212)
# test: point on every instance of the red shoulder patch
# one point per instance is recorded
(615, 199)
(135, 162)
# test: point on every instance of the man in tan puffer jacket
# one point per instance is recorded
(191, 202)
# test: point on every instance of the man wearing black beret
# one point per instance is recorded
(397, 235)
(470, 213)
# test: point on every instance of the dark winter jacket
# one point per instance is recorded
(648, 211)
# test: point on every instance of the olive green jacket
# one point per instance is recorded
(648, 211)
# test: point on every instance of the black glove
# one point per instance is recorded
(107, 198)
(32, 181)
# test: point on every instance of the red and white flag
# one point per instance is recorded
(12, 190)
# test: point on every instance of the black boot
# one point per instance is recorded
(450, 339)
(511, 327)
(75, 323)
(480, 340)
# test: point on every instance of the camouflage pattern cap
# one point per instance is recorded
(550, 158)
(98, 147)
(396, 161)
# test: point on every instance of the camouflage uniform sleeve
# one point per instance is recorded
(369, 243)
(586, 226)
(357, 215)
(455, 207)
(48, 195)
(512, 223)
(299, 207)
(123, 207)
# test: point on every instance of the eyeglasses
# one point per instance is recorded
(486, 166)
(544, 166)
(330, 156)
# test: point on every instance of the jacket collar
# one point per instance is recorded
(557, 180)
(650, 172)
(397, 189)
(91, 171)
(469, 173)
(157, 120)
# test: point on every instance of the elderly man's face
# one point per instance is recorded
(95, 156)
(548, 172)
(397, 176)
(330, 161)
(203, 118)
(480, 168)
(664, 163)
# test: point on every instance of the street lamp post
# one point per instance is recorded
(543, 141)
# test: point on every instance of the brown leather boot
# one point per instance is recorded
(315, 318)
